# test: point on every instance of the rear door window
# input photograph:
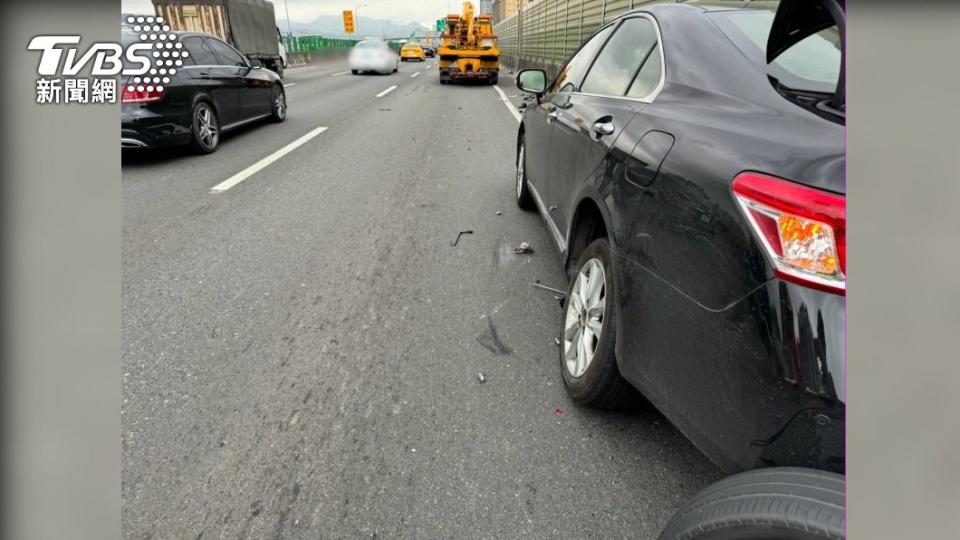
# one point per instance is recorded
(648, 78)
(617, 64)
(227, 55)
(199, 51)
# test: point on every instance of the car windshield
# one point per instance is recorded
(812, 64)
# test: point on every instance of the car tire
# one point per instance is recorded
(774, 504)
(205, 129)
(355, 72)
(588, 333)
(278, 104)
(524, 199)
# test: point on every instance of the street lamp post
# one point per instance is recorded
(287, 9)
(356, 13)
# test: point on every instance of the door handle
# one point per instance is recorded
(603, 129)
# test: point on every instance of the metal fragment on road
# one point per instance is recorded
(551, 289)
(523, 249)
(461, 233)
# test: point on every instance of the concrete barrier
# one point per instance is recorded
(298, 59)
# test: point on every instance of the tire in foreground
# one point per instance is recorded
(785, 503)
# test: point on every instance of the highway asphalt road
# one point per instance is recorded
(301, 351)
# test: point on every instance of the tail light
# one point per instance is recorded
(803, 230)
(141, 93)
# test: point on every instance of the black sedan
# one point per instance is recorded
(689, 163)
(213, 89)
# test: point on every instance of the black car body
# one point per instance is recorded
(744, 355)
(160, 108)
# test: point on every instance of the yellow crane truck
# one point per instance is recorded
(468, 49)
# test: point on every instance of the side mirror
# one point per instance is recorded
(532, 81)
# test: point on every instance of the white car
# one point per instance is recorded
(373, 55)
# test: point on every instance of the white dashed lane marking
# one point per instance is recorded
(263, 163)
(387, 91)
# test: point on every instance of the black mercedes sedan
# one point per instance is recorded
(211, 89)
(689, 163)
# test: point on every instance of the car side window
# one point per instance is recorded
(228, 55)
(571, 74)
(623, 55)
(199, 51)
(648, 78)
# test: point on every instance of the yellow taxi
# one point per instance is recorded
(412, 51)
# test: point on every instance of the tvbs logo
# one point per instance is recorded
(157, 45)
(104, 59)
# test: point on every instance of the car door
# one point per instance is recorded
(589, 123)
(219, 81)
(252, 88)
(542, 154)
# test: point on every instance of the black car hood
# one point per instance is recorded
(797, 19)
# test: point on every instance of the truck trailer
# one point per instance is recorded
(248, 25)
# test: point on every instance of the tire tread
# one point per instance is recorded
(791, 499)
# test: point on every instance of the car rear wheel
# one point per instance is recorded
(771, 504)
(524, 200)
(354, 71)
(279, 107)
(206, 128)
(589, 332)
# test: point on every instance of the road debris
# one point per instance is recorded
(523, 249)
(556, 341)
(499, 213)
(481, 378)
(461, 233)
(558, 411)
(551, 289)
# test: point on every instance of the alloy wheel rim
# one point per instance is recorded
(207, 127)
(280, 103)
(520, 171)
(583, 323)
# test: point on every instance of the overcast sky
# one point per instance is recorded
(425, 12)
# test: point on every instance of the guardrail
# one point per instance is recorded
(545, 33)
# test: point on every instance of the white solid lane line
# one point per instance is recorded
(339, 74)
(258, 166)
(289, 84)
(506, 101)
(387, 91)
(415, 74)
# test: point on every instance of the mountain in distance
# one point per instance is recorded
(332, 26)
